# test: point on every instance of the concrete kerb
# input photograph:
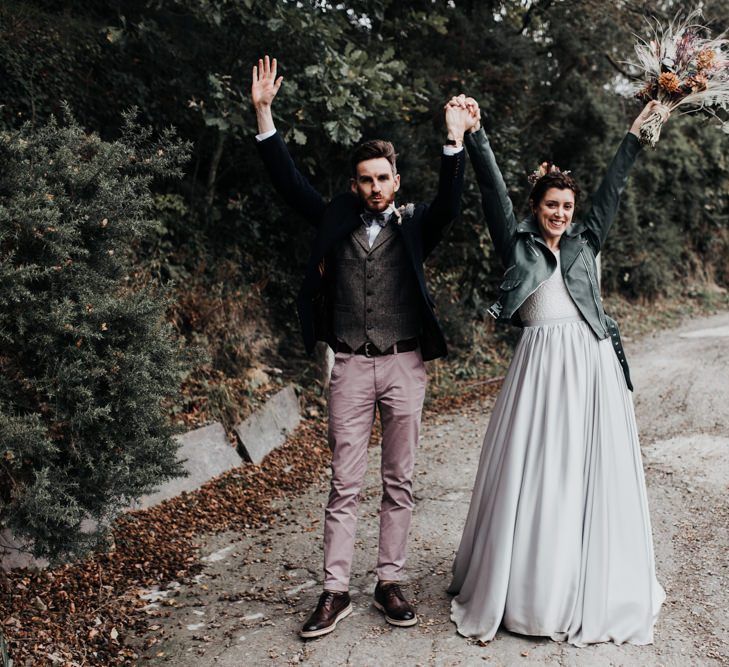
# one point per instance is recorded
(4, 652)
(268, 428)
(205, 453)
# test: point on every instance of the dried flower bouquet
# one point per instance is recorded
(682, 68)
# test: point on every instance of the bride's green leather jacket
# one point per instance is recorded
(525, 255)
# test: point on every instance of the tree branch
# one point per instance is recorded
(617, 66)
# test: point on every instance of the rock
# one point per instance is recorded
(266, 429)
(15, 553)
(257, 378)
(206, 453)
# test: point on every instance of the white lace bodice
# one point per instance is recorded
(551, 301)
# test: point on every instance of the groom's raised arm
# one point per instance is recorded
(446, 206)
(289, 182)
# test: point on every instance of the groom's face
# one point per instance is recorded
(375, 183)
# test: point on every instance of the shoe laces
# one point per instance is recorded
(393, 590)
(327, 598)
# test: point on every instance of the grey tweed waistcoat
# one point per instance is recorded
(375, 294)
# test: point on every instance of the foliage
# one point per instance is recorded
(546, 73)
(86, 355)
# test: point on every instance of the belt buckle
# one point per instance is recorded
(367, 352)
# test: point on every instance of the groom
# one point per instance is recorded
(364, 294)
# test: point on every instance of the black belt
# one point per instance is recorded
(369, 349)
(618, 347)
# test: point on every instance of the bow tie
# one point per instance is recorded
(369, 218)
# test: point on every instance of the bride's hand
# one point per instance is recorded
(650, 108)
(475, 112)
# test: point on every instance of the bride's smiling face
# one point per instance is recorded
(554, 213)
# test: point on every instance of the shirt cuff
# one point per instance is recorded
(452, 150)
(265, 135)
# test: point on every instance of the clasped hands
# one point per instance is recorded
(462, 114)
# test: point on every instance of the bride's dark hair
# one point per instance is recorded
(554, 179)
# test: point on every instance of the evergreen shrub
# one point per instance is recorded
(87, 360)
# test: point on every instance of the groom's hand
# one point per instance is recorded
(471, 109)
(264, 87)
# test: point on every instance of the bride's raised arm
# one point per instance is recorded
(497, 207)
(606, 199)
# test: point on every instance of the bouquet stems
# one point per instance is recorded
(650, 130)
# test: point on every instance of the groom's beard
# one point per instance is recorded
(377, 204)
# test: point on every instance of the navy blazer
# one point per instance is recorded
(421, 229)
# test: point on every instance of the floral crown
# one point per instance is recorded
(544, 169)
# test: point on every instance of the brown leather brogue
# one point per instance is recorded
(332, 608)
(389, 599)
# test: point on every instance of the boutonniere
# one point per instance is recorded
(404, 211)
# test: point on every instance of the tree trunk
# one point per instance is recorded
(213, 172)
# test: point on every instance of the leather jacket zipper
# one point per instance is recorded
(592, 282)
(536, 288)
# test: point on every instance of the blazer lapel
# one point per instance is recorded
(340, 219)
(360, 235)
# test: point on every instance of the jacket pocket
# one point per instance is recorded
(510, 284)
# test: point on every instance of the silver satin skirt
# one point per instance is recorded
(557, 541)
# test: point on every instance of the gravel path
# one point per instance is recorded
(258, 587)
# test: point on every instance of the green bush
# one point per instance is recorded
(86, 359)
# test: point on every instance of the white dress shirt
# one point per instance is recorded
(374, 229)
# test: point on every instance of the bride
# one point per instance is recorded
(557, 541)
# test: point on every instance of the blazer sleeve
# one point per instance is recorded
(497, 206)
(445, 208)
(606, 199)
(288, 181)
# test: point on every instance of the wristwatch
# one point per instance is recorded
(451, 142)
